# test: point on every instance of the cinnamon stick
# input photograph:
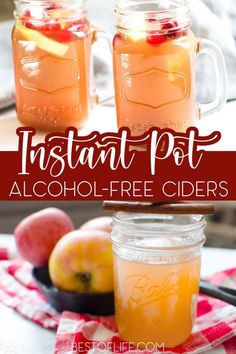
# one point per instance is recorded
(160, 207)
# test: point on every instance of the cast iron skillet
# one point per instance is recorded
(219, 292)
(99, 304)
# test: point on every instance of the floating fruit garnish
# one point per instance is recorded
(54, 6)
(136, 35)
(118, 39)
(42, 42)
(50, 27)
(155, 38)
(38, 24)
(169, 26)
(26, 20)
(167, 30)
(63, 35)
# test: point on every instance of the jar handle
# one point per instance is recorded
(206, 46)
(104, 96)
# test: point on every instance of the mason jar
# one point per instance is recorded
(157, 261)
(52, 48)
(154, 52)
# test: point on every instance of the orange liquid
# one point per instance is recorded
(154, 83)
(52, 91)
(155, 303)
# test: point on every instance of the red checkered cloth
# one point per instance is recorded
(214, 332)
(18, 291)
(7, 253)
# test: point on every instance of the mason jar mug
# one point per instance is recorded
(154, 54)
(156, 272)
(52, 43)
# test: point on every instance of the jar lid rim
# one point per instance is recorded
(171, 228)
(123, 5)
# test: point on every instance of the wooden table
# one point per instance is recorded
(21, 336)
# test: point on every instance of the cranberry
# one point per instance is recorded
(54, 6)
(61, 35)
(169, 25)
(151, 20)
(64, 36)
(51, 27)
(27, 13)
(168, 30)
(118, 39)
(172, 29)
(26, 19)
(155, 38)
(29, 22)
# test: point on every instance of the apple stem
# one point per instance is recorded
(85, 278)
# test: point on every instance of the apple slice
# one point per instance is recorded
(180, 60)
(42, 41)
(136, 36)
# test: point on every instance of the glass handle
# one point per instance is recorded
(206, 46)
(105, 95)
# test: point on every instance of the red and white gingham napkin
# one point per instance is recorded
(7, 253)
(214, 332)
(18, 291)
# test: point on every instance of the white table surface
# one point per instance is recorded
(103, 119)
(21, 336)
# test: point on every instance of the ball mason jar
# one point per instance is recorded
(154, 54)
(157, 262)
(52, 49)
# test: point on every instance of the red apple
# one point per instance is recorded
(103, 223)
(82, 262)
(37, 234)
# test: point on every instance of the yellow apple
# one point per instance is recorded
(82, 262)
(103, 223)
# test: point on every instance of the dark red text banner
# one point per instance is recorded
(213, 179)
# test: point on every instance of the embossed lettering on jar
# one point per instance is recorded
(52, 52)
(156, 270)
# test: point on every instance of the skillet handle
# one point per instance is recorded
(214, 291)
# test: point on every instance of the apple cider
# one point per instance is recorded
(156, 277)
(52, 59)
(154, 54)
(156, 90)
(160, 295)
